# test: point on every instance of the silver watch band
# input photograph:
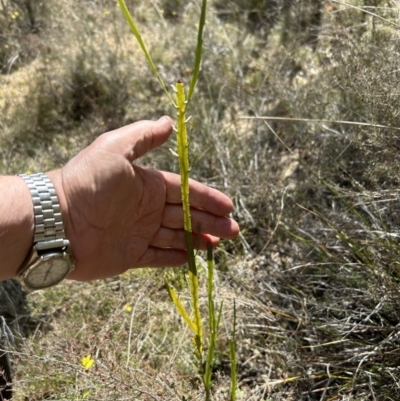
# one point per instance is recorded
(49, 228)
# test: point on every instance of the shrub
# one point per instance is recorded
(21, 23)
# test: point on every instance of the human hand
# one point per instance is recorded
(119, 216)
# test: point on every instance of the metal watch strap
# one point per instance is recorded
(49, 228)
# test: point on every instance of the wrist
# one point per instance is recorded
(16, 225)
(50, 259)
(56, 179)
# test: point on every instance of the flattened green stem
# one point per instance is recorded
(183, 153)
(213, 323)
(139, 39)
(232, 353)
(199, 50)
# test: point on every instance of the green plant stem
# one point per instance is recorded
(195, 322)
(232, 353)
(184, 167)
(199, 50)
(213, 323)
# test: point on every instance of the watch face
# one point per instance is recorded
(48, 272)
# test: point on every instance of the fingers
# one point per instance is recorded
(202, 222)
(168, 238)
(157, 257)
(209, 208)
(135, 140)
(201, 196)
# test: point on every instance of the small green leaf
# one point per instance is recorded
(142, 45)
(181, 309)
(199, 50)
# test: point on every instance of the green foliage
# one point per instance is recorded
(204, 364)
(143, 47)
(214, 320)
(184, 168)
(232, 356)
(199, 50)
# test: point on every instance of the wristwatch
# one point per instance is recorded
(50, 259)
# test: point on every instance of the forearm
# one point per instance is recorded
(16, 225)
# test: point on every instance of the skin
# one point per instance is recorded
(117, 215)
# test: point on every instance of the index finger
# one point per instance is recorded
(201, 196)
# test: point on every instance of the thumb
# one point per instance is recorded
(135, 140)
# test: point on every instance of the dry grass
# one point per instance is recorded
(315, 273)
(140, 346)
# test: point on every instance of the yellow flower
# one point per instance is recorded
(87, 361)
(128, 308)
(106, 12)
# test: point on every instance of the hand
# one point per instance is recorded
(119, 216)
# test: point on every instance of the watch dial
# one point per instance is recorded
(48, 273)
